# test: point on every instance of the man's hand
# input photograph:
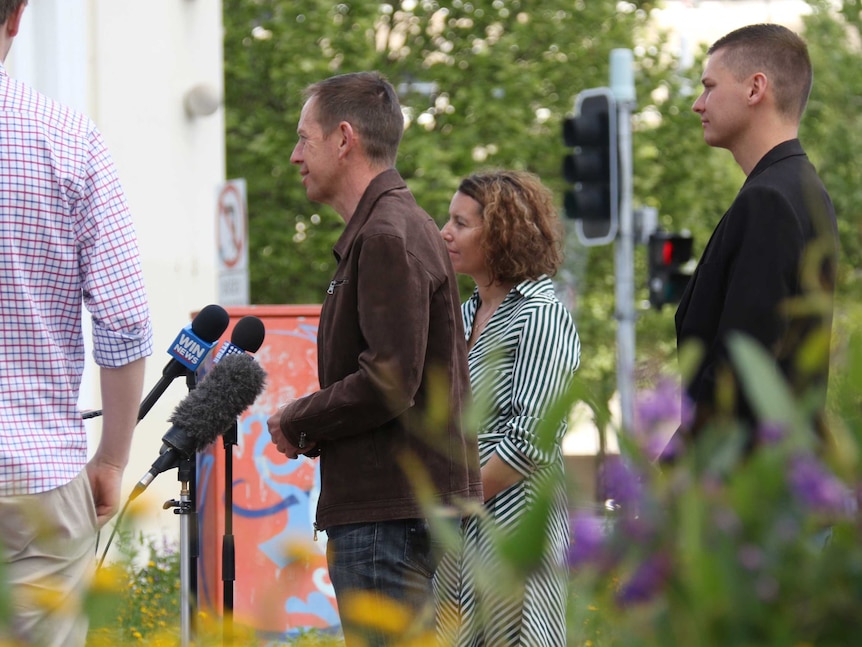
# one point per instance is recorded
(280, 440)
(105, 482)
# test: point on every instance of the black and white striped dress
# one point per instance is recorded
(523, 360)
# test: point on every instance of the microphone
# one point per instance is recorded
(246, 337)
(188, 350)
(230, 388)
(196, 340)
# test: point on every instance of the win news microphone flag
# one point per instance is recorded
(247, 337)
(206, 412)
(196, 340)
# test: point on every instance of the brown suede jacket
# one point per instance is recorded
(392, 366)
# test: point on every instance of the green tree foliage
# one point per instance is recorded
(487, 84)
(832, 127)
(484, 84)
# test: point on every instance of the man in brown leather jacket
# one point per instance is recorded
(391, 360)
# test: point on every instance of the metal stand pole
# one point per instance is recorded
(193, 525)
(228, 547)
(185, 509)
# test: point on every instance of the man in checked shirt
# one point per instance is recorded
(66, 237)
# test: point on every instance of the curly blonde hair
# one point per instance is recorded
(521, 229)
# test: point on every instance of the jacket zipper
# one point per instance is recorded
(334, 284)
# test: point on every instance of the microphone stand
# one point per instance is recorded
(228, 547)
(189, 547)
(185, 509)
(193, 536)
(156, 392)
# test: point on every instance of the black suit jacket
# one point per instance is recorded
(751, 267)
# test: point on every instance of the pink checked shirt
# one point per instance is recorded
(66, 237)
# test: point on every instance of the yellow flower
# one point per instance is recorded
(48, 597)
(299, 550)
(108, 579)
(371, 610)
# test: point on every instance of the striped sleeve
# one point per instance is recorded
(546, 356)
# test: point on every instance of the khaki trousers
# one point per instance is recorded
(48, 543)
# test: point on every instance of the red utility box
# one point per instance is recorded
(281, 583)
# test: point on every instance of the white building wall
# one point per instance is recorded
(128, 64)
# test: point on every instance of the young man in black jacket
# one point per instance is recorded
(768, 270)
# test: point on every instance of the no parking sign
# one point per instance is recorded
(232, 244)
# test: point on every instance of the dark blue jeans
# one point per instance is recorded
(381, 573)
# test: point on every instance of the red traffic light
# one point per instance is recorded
(668, 256)
(667, 252)
(669, 249)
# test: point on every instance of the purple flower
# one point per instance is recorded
(624, 488)
(727, 521)
(621, 481)
(816, 487)
(648, 579)
(658, 405)
(767, 588)
(750, 556)
(588, 538)
(637, 528)
(771, 433)
(658, 414)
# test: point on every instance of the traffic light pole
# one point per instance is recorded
(599, 170)
(622, 85)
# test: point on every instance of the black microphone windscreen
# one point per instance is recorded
(248, 334)
(211, 322)
(229, 389)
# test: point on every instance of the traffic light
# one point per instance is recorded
(669, 259)
(592, 166)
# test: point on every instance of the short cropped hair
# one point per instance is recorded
(779, 53)
(521, 229)
(7, 7)
(368, 102)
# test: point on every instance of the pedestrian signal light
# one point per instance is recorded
(670, 266)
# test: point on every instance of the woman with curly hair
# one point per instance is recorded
(504, 232)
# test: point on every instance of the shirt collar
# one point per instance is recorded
(532, 287)
(790, 148)
(525, 289)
